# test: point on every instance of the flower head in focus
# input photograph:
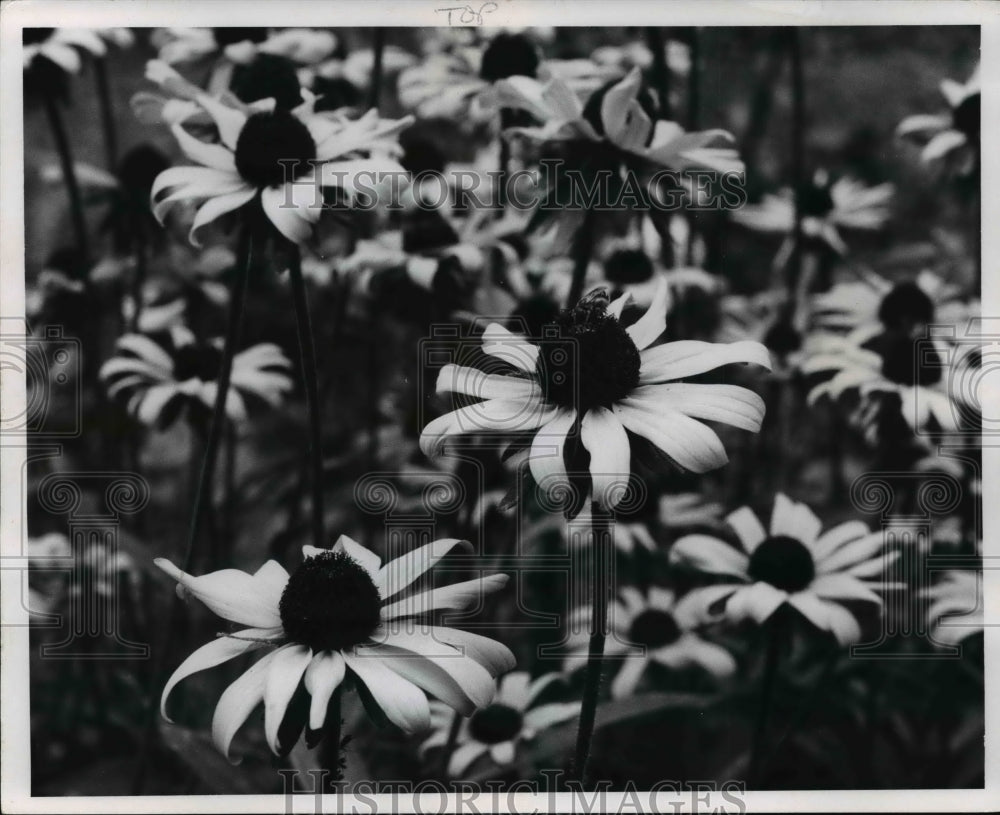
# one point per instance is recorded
(651, 628)
(591, 388)
(284, 158)
(953, 136)
(791, 563)
(157, 379)
(341, 617)
(515, 715)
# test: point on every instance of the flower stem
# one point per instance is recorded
(378, 49)
(307, 351)
(601, 526)
(72, 186)
(237, 296)
(795, 269)
(107, 114)
(661, 70)
(583, 247)
(767, 686)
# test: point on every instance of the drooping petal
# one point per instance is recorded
(283, 677)
(647, 329)
(219, 650)
(684, 358)
(287, 218)
(230, 593)
(610, 456)
(710, 555)
(494, 656)
(456, 596)
(545, 459)
(481, 385)
(691, 444)
(628, 675)
(237, 703)
(827, 616)
(214, 156)
(757, 602)
(215, 207)
(229, 120)
(729, 404)
(464, 756)
(397, 574)
(402, 702)
(513, 349)
(322, 678)
(494, 415)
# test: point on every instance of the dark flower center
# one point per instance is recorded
(654, 629)
(330, 603)
(335, 93)
(783, 338)
(197, 361)
(815, 200)
(628, 266)
(33, 36)
(905, 360)
(586, 358)
(592, 110)
(268, 76)
(509, 55)
(231, 36)
(966, 117)
(905, 307)
(495, 723)
(274, 148)
(784, 562)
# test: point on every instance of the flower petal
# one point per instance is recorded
(230, 593)
(684, 358)
(610, 456)
(688, 442)
(402, 702)
(545, 459)
(710, 555)
(513, 690)
(229, 120)
(856, 551)
(397, 574)
(494, 415)
(748, 528)
(283, 677)
(513, 349)
(287, 218)
(214, 156)
(628, 675)
(456, 596)
(365, 557)
(648, 328)
(831, 540)
(756, 602)
(842, 587)
(481, 385)
(215, 207)
(503, 753)
(494, 656)
(237, 703)
(464, 756)
(730, 404)
(322, 678)
(827, 617)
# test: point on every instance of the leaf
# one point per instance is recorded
(213, 769)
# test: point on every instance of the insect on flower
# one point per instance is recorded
(341, 615)
(599, 383)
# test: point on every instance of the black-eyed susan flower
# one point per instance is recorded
(827, 206)
(791, 562)
(283, 158)
(515, 715)
(650, 628)
(601, 384)
(157, 379)
(952, 136)
(341, 616)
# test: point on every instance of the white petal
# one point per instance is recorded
(229, 120)
(610, 456)
(628, 675)
(495, 415)
(219, 650)
(402, 702)
(289, 220)
(687, 441)
(481, 385)
(648, 328)
(544, 716)
(828, 617)
(494, 656)
(513, 690)
(842, 587)
(503, 753)
(856, 551)
(730, 404)
(464, 756)
(365, 557)
(513, 349)
(756, 602)
(397, 574)
(456, 596)
(708, 554)
(548, 467)
(679, 360)
(237, 703)
(830, 541)
(214, 156)
(942, 144)
(230, 593)
(283, 678)
(748, 528)
(215, 207)
(323, 677)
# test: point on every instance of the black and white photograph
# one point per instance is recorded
(513, 406)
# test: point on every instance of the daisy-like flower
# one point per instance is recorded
(158, 379)
(339, 617)
(284, 158)
(953, 135)
(955, 611)
(514, 716)
(601, 384)
(826, 209)
(794, 563)
(932, 378)
(651, 628)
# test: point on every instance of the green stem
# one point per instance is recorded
(767, 686)
(72, 186)
(601, 526)
(107, 114)
(307, 351)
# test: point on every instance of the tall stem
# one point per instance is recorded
(378, 49)
(107, 114)
(237, 296)
(661, 70)
(583, 247)
(601, 531)
(798, 152)
(308, 356)
(767, 684)
(72, 186)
